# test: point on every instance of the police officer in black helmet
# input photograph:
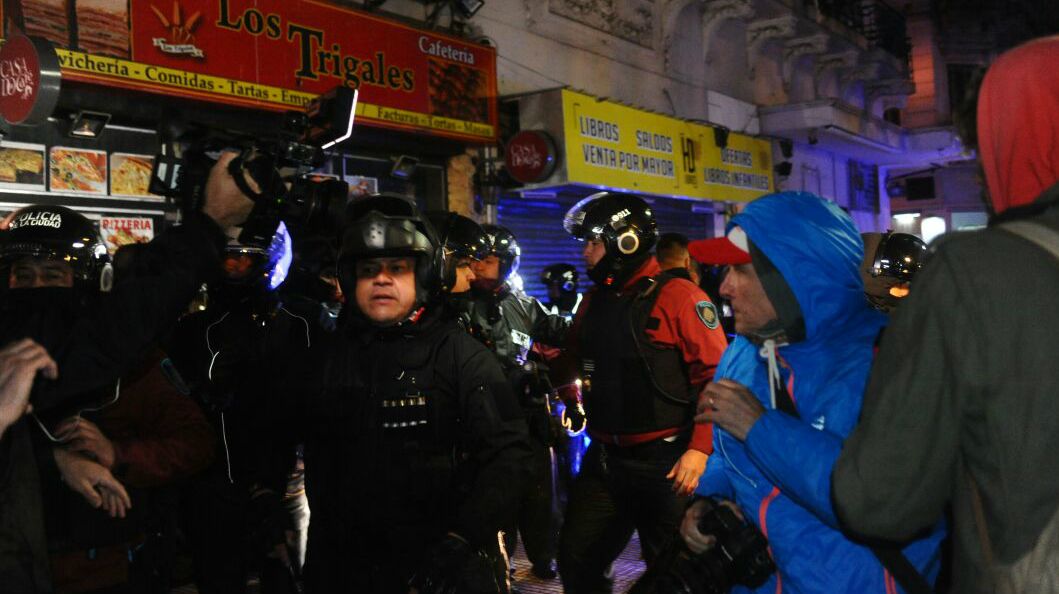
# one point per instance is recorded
(465, 243)
(91, 352)
(248, 325)
(643, 344)
(45, 241)
(414, 444)
(562, 283)
(509, 322)
(891, 261)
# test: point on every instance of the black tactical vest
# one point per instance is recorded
(397, 418)
(630, 385)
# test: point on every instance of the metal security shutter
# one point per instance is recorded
(538, 225)
(691, 218)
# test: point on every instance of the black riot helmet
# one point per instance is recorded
(257, 267)
(57, 233)
(461, 238)
(563, 277)
(503, 245)
(891, 261)
(900, 256)
(625, 225)
(388, 226)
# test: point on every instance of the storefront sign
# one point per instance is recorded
(119, 231)
(530, 156)
(29, 80)
(611, 145)
(279, 54)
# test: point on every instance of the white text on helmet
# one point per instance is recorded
(38, 219)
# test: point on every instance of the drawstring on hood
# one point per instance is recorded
(768, 351)
(779, 472)
(810, 273)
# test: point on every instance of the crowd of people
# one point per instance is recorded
(792, 407)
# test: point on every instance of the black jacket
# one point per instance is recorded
(92, 349)
(410, 432)
(964, 385)
(233, 359)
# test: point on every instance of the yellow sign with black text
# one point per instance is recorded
(620, 147)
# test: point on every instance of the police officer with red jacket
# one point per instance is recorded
(643, 344)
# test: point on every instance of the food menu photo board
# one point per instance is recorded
(130, 175)
(119, 231)
(361, 186)
(22, 166)
(82, 171)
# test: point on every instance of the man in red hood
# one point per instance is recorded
(959, 408)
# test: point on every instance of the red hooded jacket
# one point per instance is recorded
(1018, 124)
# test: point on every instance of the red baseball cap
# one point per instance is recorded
(722, 251)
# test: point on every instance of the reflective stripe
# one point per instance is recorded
(763, 510)
(762, 518)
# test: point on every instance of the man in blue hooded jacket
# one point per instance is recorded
(788, 392)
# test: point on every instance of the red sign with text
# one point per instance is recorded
(19, 79)
(530, 156)
(277, 54)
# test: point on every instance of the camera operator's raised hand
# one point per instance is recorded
(696, 541)
(226, 204)
(19, 364)
(94, 482)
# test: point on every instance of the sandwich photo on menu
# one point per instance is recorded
(103, 27)
(77, 170)
(47, 19)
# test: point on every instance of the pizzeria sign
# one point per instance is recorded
(275, 54)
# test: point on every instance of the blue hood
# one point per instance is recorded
(818, 256)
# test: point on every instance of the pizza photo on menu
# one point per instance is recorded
(22, 165)
(77, 170)
(130, 175)
(119, 231)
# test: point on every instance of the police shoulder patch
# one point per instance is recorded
(707, 313)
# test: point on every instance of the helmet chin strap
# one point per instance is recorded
(612, 272)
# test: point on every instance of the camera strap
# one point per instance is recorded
(892, 559)
(235, 168)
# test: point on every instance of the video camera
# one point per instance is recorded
(280, 162)
(740, 557)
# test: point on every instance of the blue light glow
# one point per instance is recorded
(280, 252)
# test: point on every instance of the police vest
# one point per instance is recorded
(630, 385)
(397, 418)
(502, 324)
